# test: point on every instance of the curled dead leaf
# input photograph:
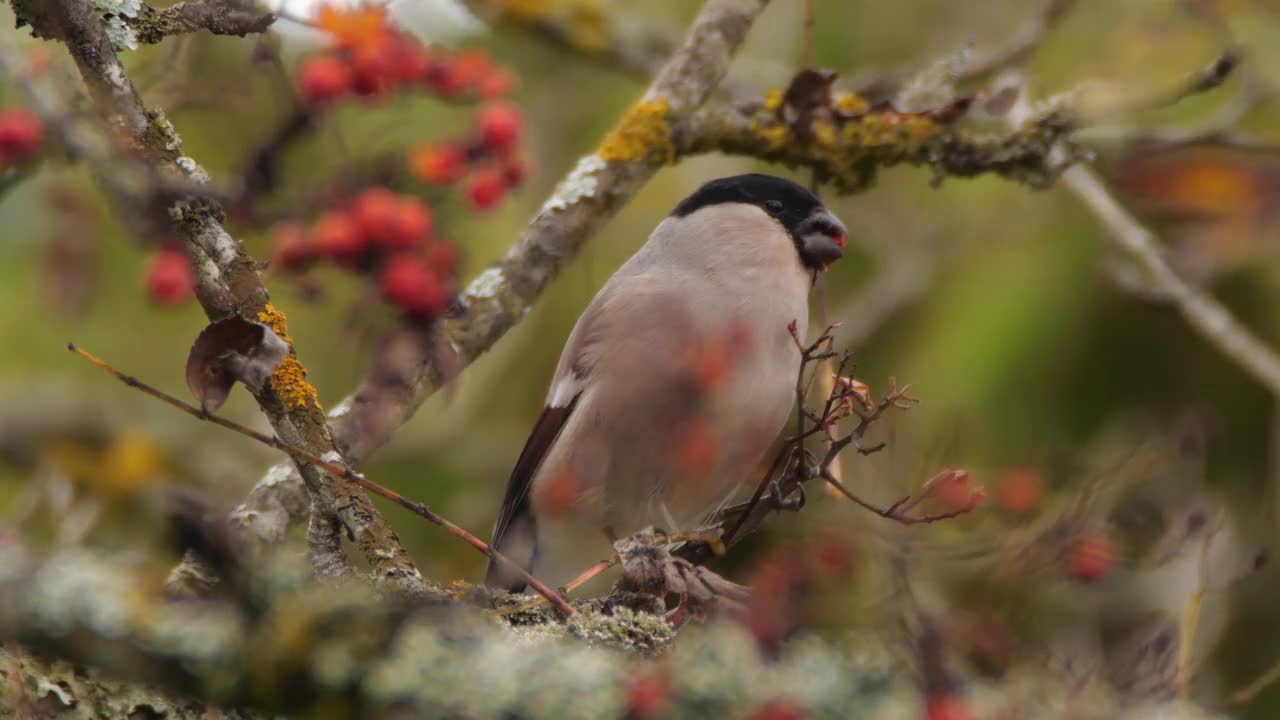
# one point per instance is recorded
(229, 350)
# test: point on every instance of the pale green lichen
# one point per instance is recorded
(581, 182)
(116, 16)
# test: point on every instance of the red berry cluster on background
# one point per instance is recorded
(21, 136)
(371, 59)
(491, 158)
(383, 233)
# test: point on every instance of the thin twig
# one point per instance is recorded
(1210, 318)
(335, 469)
(1191, 616)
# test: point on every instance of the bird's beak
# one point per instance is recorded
(822, 238)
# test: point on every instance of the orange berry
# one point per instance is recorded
(338, 237)
(443, 258)
(1021, 491)
(485, 190)
(292, 249)
(372, 70)
(471, 66)
(410, 284)
(496, 84)
(439, 164)
(374, 212)
(410, 225)
(499, 126)
(954, 490)
(445, 79)
(409, 61)
(1090, 558)
(170, 280)
(324, 79)
(20, 135)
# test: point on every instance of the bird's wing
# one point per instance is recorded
(623, 318)
(515, 531)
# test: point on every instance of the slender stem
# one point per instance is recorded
(336, 470)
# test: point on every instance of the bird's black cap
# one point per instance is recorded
(787, 202)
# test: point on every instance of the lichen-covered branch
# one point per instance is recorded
(220, 17)
(343, 653)
(847, 152)
(227, 283)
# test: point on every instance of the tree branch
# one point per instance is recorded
(220, 17)
(227, 283)
(1208, 317)
(627, 42)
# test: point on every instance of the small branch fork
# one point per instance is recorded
(337, 470)
(849, 397)
(782, 487)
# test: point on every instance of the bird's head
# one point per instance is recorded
(818, 235)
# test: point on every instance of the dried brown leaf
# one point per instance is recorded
(229, 350)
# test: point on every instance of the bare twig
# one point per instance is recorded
(1208, 317)
(1019, 48)
(1198, 81)
(1219, 130)
(897, 511)
(976, 64)
(335, 469)
(627, 42)
(220, 17)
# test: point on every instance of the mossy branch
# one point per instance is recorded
(847, 153)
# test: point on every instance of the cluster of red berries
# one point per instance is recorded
(21, 136)
(371, 59)
(490, 157)
(377, 232)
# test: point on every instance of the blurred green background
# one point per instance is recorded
(1008, 326)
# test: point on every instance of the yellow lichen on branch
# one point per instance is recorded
(290, 378)
(642, 132)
